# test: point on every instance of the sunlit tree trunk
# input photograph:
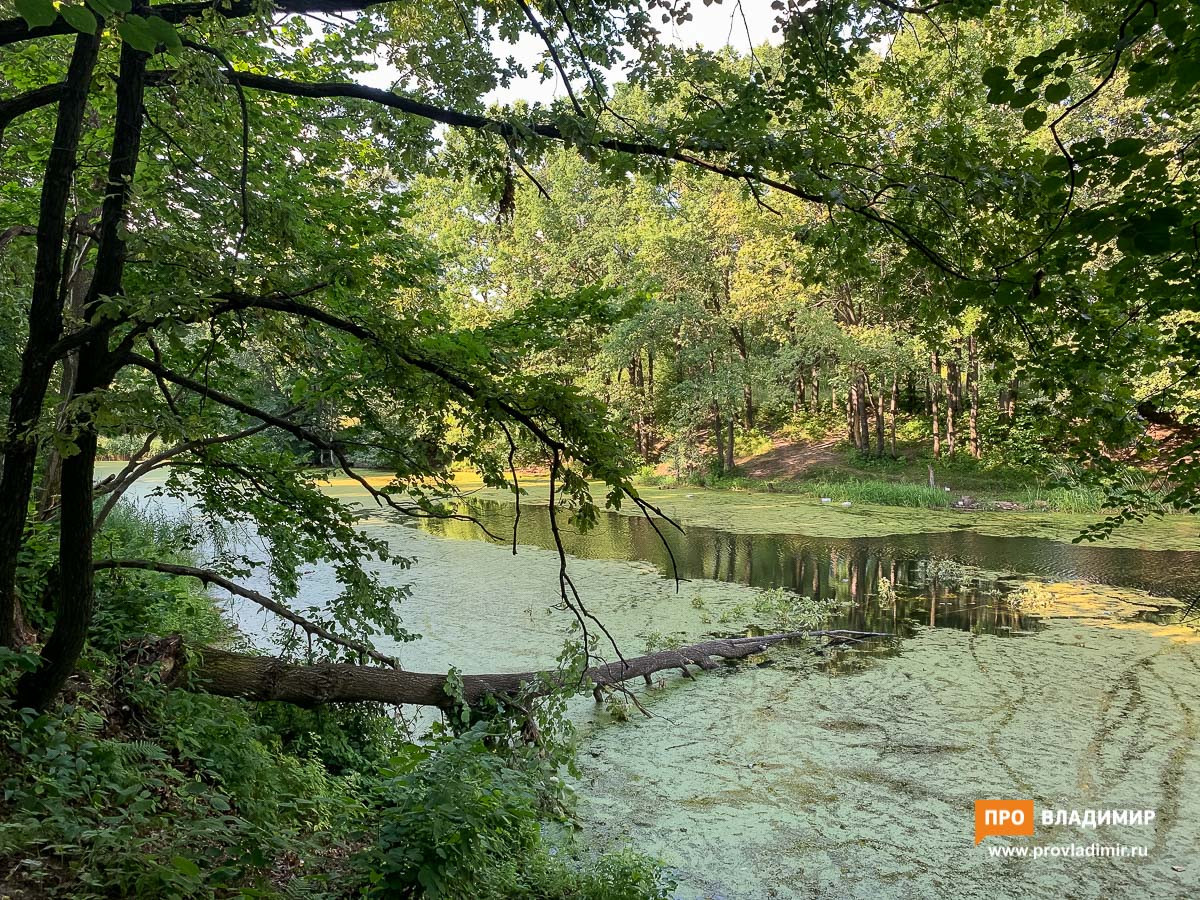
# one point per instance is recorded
(880, 420)
(895, 400)
(973, 395)
(935, 391)
(852, 412)
(951, 406)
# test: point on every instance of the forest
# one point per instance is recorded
(564, 449)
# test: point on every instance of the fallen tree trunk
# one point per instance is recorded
(270, 678)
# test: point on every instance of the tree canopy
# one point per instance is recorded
(222, 242)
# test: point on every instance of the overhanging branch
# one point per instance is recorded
(137, 468)
(512, 132)
(297, 430)
(14, 31)
(206, 576)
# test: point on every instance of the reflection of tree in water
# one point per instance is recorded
(945, 579)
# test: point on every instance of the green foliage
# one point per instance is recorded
(784, 610)
(127, 789)
(461, 820)
(130, 791)
(133, 603)
(807, 426)
(751, 442)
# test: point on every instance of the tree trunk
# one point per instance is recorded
(45, 328)
(879, 421)
(643, 412)
(973, 395)
(739, 341)
(78, 280)
(269, 678)
(935, 390)
(951, 406)
(719, 438)
(73, 615)
(1008, 409)
(864, 424)
(635, 413)
(895, 400)
(729, 462)
(816, 388)
(852, 412)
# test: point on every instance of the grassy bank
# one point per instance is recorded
(905, 482)
(1080, 499)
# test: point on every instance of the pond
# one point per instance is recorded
(853, 774)
(951, 579)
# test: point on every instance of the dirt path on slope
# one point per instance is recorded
(787, 459)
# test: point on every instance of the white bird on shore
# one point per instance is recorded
(845, 503)
(826, 499)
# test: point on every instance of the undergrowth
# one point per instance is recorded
(128, 789)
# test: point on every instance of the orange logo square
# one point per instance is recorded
(1003, 817)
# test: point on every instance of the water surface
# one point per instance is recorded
(954, 579)
(851, 775)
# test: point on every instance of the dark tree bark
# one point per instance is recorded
(96, 369)
(730, 464)
(638, 385)
(45, 328)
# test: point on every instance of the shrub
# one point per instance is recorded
(462, 821)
